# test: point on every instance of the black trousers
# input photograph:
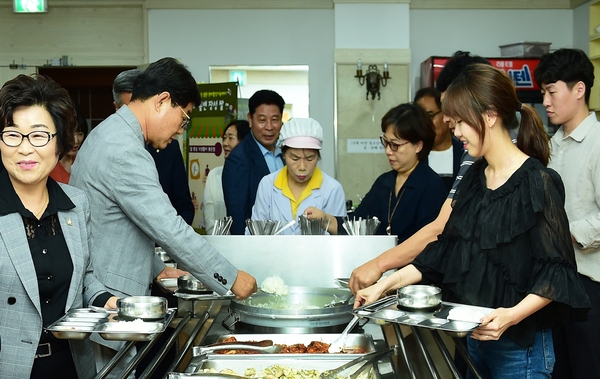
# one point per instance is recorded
(577, 345)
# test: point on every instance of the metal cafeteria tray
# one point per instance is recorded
(170, 285)
(432, 320)
(80, 323)
(260, 362)
(354, 342)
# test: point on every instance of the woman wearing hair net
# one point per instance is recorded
(285, 194)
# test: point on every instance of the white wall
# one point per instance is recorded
(368, 26)
(581, 27)
(442, 32)
(201, 38)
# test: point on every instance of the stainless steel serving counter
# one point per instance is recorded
(424, 353)
(385, 368)
(301, 260)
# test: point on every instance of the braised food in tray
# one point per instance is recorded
(314, 347)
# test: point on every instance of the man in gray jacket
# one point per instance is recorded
(130, 212)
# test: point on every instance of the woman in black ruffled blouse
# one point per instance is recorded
(507, 244)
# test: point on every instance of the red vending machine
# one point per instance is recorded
(520, 70)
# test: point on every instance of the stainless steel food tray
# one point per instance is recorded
(80, 323)
(262, 361)
(170, 285)
(437, 319)
(353, 342)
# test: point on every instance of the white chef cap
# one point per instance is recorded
(301, 133)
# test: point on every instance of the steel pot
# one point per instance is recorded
(302, 310)
(419, 298)
(187, 283)
(142, 307)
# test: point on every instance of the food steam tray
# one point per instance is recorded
(354, 342)
(79, 324)
(170, 285)
(264, 361)
(440, 319)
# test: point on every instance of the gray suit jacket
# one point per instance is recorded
(130, 213)
(21, 321)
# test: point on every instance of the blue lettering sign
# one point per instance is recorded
(522, 78)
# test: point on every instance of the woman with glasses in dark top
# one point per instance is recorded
(410, 195)
(44, 255)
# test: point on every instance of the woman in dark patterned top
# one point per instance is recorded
(507, 244)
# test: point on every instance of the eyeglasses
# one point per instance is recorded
(13, 138)
(186, 120)
(393, 146)
(433, 114)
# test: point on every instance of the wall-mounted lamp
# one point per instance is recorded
(373, 78)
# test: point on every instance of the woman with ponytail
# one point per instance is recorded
(507, 244)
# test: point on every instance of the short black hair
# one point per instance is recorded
(454, 66)
(123, 83)
(567, 65)
(413, 124)
(241, 126)
(265, 96)
(167, 75)
(431, 92)
(39, 90)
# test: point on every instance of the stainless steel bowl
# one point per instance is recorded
(419, 297)
(142, 307)
(188, 283)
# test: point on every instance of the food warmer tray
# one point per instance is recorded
(353, 342)
(170, 285)
(262, 361)
(387, 311)
(80, 323)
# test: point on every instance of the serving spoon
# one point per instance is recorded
(264, 347)
(338, 345)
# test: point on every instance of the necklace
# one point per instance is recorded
(502, 172)
(388, 229)
(43, 207)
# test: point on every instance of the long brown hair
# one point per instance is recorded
(481, 88)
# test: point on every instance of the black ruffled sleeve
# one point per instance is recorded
(499, 246)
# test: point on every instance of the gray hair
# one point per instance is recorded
(124, 83)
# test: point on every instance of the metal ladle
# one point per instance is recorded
(338, 345)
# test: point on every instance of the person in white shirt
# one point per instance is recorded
(566, 77)
(447, 151)
(214, 202)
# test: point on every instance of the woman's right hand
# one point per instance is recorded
(369, 294)
(313, 213)
(405, 276)
(328, 221)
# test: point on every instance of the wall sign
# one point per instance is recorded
(364, 146)
(30, 6)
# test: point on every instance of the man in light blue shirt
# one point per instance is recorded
(273, 158)
(253, 158)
